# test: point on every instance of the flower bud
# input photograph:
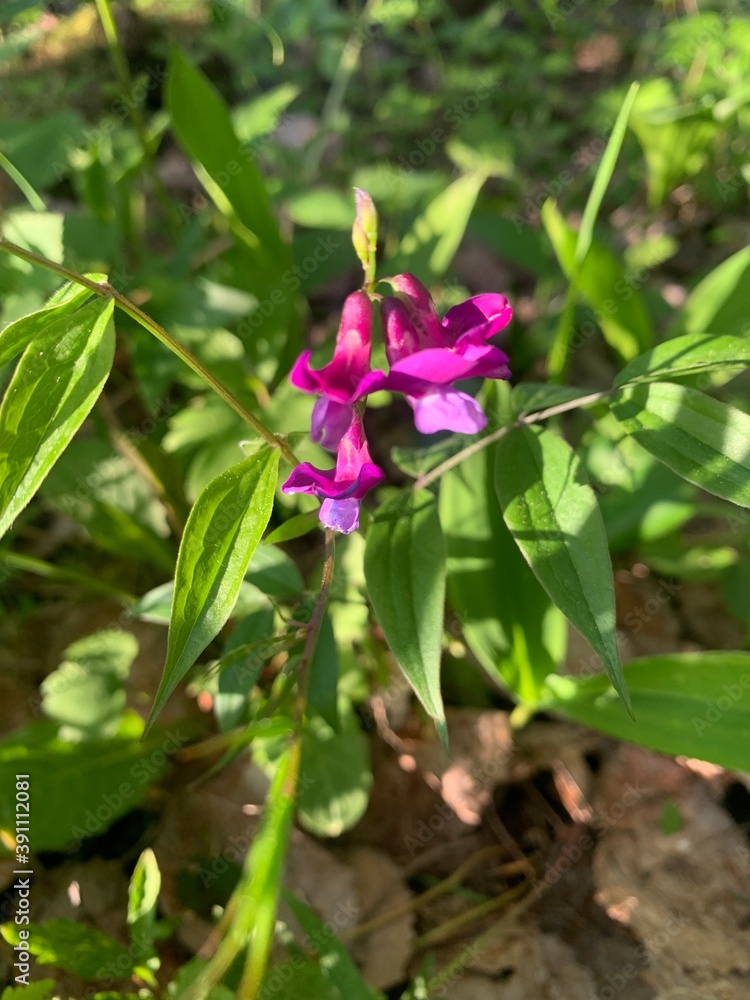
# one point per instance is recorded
(365, 232)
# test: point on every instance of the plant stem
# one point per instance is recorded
(313, 628)
(522, 421)
(106, 291)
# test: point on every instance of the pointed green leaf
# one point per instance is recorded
(324, 675)
(143, 895)
(553, 515)
(701, 439)
(601, 280)
(332, 957)
(720, 303)
(688, 355)
(54, 386)
(221, 534)
(202, 123)
(696, 704)
(17, 335)
(507, 619)
(431, 244)
(335, 776)
(405, 573)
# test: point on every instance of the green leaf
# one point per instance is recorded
(143, 895)
(52, 391)
(332, 957)
(86, 693)
(202, 123)
(79, 789)
(294, 527)
(601, 279)
(324, 675)
(431, 244)
(721, 302)
(688, 355)
(528, 397)
(85, 951)
(274, 573)
(701, 439)
(696, 704)
(41, 990)
(553, 515)
(507, 619)
(405, 574)
(335, 777)
(239, 676)
(221, 534)
(18, 335)
(604, 173)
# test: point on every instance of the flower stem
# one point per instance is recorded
(524, 420)
(106, 291)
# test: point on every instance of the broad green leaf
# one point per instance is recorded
(431, 244)
(688, 355)
(640, 498)
(79, 789)
(116, 506)
(274, 573)
(601, 279)
(85, 951)
(239, 676)
(332, 957)
(294, 527)
(143, 895)
(54, 386)
(696, 704)
(553, 515)
(507, 619)
(701, 439)
(720, 303)
(202, 123)
(405, 573)
(260, 262)
(221, 534)
(257, 118)
(335, 776)
(18, 335)
(324, 675)
(86, 693)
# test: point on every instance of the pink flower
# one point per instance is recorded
(342, 488)
(427, 356)
(339, 382)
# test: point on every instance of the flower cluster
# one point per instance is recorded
(426, 356)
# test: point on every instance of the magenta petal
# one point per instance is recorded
(339, 379)
(305, 478)
(480, 317)
(330, 421)
(341, 515)
(448, 410)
